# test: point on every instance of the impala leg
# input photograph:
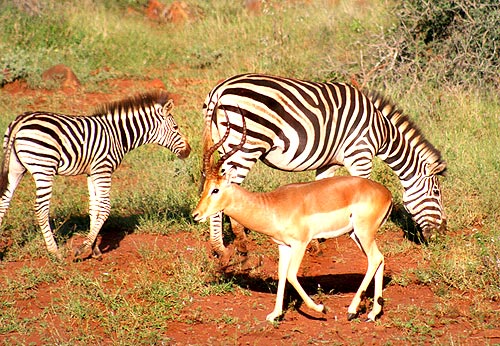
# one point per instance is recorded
(241, 239)
(289, 263)
(298, 251)
(378, 301)
(285, 253)
(43, 182)
(375, 268)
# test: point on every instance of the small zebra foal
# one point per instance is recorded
(45, 144)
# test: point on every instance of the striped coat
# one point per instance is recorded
(297, 125)
(48, 144)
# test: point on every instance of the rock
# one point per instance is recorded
(253, 6)
(155, 9)
(62, 75)
(178, 12)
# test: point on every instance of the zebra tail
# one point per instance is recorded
(4, 175)
(10, 136)
(4, 169)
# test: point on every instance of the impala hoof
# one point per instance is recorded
(225, 257)
(96, 253)
(81, 252)
(274, 316)
(351, 316)
(241, 247)
(372, 317)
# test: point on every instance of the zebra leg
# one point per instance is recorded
(16, 173)
(99, 208)
(216, 239)
(93, 214)
(326, 172)
(360, 165)
(44, 182)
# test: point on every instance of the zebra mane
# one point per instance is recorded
(404, 124)
(133, 102)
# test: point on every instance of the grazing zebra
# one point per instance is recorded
(45, 144)
(297, 125)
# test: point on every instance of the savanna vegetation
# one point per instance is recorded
(438, 61)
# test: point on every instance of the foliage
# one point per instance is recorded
(13, 66)
(452, 42)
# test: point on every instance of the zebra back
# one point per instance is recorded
(134, 102)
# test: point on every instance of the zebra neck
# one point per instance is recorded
(130, 131)
(407, 152)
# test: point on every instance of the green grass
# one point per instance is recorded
(154, 193)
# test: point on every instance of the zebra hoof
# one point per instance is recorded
(58, 256)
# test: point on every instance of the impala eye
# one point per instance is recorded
(215, 191)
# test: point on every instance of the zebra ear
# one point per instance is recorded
(436, 168)
(169, 106)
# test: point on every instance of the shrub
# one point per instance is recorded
(14, 65)
(453, 42)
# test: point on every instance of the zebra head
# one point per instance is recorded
(169, 134)
(423, 200)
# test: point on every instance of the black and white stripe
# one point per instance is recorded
(296, 125)
(48, 144)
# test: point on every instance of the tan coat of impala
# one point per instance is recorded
(294, 214)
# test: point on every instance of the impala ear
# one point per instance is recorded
(436, 168)
(168, 108)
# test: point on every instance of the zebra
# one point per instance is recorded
(298, 125)
(47, 144)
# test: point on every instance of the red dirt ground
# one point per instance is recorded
(339, 268)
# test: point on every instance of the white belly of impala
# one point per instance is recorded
(334, 233)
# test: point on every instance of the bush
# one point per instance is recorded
(453, 42)
(14, 65)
